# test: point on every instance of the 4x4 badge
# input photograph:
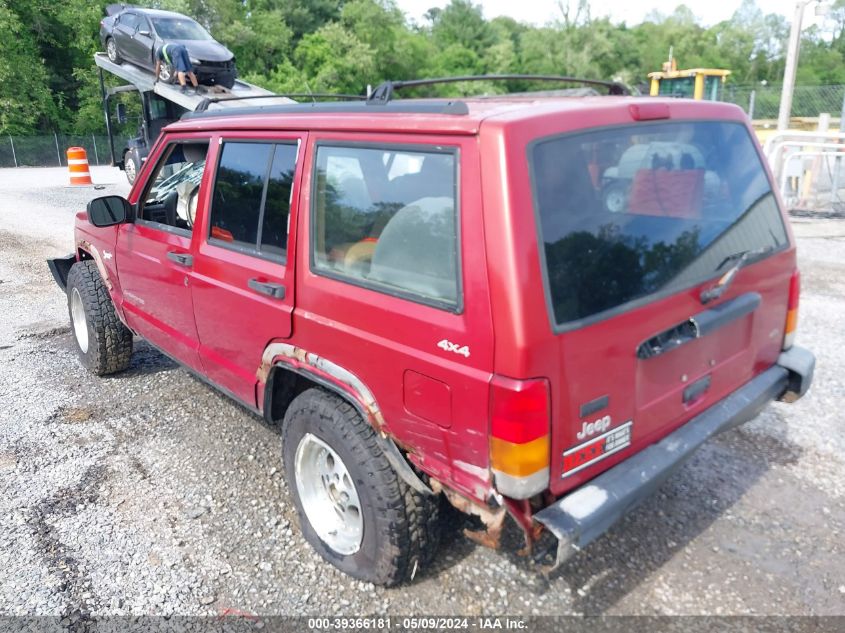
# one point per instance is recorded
(449, 346)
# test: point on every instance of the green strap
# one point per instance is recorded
(164, 52)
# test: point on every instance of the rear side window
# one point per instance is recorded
(251, 201)
(630, 212)
(387, 219)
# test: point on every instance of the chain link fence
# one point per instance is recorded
(763, 102)
(48, 150)
(760, 102)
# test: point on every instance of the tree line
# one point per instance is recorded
(48, 80)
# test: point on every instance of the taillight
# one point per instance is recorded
(519, 436)
(792, 310)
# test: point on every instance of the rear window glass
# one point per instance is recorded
(629, 212)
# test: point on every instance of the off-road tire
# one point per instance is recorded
(109, 341)
(401, 526)
(114, 58)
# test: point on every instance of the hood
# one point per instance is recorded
(206, 50)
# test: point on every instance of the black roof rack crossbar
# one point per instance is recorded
(203, 105)
(384, 92)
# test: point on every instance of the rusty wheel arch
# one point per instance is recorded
(297, 379)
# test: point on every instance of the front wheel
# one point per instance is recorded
(104, 344)
(166, 73)
(353, 508)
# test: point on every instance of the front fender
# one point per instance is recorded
(99, 244)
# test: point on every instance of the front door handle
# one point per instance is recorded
(276, 291)
(183, 259)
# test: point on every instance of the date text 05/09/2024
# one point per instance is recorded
(418, 623)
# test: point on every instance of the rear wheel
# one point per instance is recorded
(615, 196)
(103, 342)
(111, 51)
(353, 508)
(131, 165)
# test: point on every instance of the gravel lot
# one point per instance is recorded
(149, 493)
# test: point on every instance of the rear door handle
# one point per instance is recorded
(276, 291)
(183, 259)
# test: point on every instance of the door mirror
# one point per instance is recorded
(108, 211)
(120, 113)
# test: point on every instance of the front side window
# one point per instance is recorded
(251, 200)
(171, 199)
(713, 88)
(629, 212)
(387, 218)
(129, 21)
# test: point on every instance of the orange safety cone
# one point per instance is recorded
(77, 165)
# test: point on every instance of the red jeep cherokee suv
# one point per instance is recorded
(535, 307)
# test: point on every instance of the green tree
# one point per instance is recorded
(26, 102)
(333, 59)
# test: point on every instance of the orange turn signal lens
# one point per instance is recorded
(519, 460)
(792, 310)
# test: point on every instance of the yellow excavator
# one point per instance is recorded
(693, 83)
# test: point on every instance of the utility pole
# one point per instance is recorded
(792, 59)
(791, 65)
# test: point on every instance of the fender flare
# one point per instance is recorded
(91, 250)
(84, 246)
(348, 386)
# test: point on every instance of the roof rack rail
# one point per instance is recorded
(383, 93)
(203, 105)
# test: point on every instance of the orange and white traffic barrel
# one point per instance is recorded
(77, 165)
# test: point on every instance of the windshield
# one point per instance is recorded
(678, 87)
(179, 29)
(628, 212)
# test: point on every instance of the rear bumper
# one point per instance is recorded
(585, 514)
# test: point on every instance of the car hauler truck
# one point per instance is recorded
(161, 104)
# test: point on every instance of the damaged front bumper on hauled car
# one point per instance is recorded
(586, 513)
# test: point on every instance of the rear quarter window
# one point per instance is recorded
(629, 213)
(386, 218)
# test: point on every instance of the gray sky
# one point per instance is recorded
(632, 12)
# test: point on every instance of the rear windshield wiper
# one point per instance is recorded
(739, 259)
